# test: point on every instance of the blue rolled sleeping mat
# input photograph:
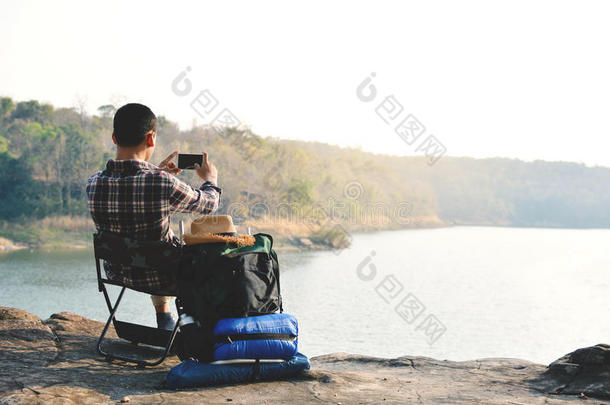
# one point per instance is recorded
(273, 336)
(191, 373)
(261, 347)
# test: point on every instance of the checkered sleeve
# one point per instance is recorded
(184, 198)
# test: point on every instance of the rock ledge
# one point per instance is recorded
(55, 362)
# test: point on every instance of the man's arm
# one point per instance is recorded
(184, 198)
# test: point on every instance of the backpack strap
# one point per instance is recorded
(256, 372)
(277, 276)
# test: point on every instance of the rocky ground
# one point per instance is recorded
(55, 362)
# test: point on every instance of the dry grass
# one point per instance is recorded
(69, 231)
(68, 223)
(431, 221)
(287, 227)
(7, 245)
(271, 224)
(5, 242)
(276, 226)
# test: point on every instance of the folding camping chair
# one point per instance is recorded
(124, 251)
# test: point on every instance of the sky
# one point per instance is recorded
(518, 79)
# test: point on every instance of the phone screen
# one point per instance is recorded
(187, 160)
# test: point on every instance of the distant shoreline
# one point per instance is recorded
(75, 232)
(283, 242)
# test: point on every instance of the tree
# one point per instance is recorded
(80, 104)
(300, 192)
(106, 110)
(82, 156)
(6, 107)
(32, 111)
(18, 190)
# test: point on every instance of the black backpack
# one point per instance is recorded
(222, 280)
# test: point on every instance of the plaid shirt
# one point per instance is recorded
(135, 199)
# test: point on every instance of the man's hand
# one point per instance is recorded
(207, 171)
(168, 166)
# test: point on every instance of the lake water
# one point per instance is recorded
(457, 293)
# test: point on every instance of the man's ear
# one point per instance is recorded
(150, 138)
(114, 139)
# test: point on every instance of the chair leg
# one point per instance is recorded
(167, 349)
(110, 356)
(110, 319)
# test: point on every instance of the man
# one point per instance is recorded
(135, 199)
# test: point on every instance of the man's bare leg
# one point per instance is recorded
(165, 319)
(162, 308)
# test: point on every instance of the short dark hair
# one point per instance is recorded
(131, 124)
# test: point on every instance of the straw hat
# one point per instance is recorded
(216, 228)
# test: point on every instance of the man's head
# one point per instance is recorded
(135, 127)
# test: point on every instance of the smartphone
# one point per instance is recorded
(188, 160)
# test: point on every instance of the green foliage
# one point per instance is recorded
(15, 182)
(3, 145)
(32, 110)
(45, 158)
(299, 192)
(6, 106)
